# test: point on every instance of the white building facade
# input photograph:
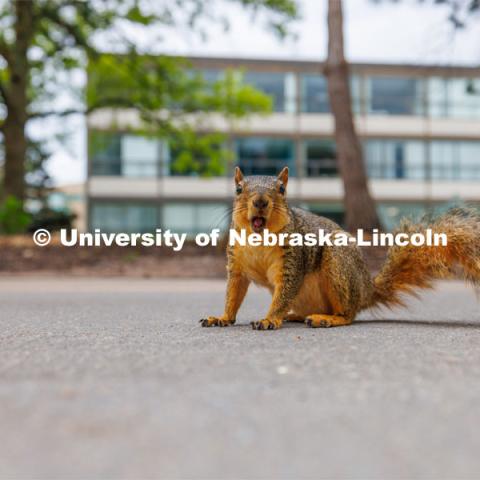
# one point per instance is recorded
(419, 126)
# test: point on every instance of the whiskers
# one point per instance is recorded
(220, 221)
(280, 209)
(231, 211)
(228, 214)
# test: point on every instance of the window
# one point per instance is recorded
(444, 160)
(469, 160)
(395, 96)
(129, 217)
(265, 156)
(104, 152)
(280, 86)
(454, 97)
(455, 160)
(127, 155)
(438, 97)
(315, 94)
(356, 92)
(321, 158)
(464, 98)
(140, 156)
(447, 160)
(193, 218)
(210, 75)
(395, 159)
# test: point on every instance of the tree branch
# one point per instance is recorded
(5, 50)
(72, 30)
(108, 102)
(62, 113)
(4, 94)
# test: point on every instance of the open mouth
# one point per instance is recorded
(258, 223)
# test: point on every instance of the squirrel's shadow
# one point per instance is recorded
(423, 323)
(359, 323)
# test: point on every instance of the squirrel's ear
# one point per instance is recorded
(283, 176)
(238, 175)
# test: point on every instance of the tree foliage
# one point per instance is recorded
(173, 102)
(13, 219)
(43, 43)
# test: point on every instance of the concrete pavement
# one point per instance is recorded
(113, 378)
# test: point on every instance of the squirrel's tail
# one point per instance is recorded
(409, 268)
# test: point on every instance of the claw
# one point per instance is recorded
(257, 325)
(215, 322)
(318, 323)
(264, 325)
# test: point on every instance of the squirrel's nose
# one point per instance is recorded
(260, 203)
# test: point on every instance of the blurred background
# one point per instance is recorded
(130, 115)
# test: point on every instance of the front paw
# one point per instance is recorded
(216, 322)
(267, 324)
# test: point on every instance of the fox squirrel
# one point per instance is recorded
(329, 286)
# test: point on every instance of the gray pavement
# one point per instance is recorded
(113, 378)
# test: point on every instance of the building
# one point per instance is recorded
(71, 200)
(420, 127)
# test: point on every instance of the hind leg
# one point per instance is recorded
(293, 317)
(325, 321)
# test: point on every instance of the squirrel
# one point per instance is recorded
(327, 286)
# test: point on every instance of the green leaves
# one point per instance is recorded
(135, 15)
(287, 8)
(13, 219)
(172, 102)
(203, 155)
(235, 99)
(280, 13)
(175, 102)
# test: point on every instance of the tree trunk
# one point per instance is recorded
(359, 205)
(17, 103)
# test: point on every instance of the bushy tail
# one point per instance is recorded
(408, 269)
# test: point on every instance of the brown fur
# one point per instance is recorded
(411, 268)
(328, 286)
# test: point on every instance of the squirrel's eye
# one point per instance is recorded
(281, 189)
(238, 189)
